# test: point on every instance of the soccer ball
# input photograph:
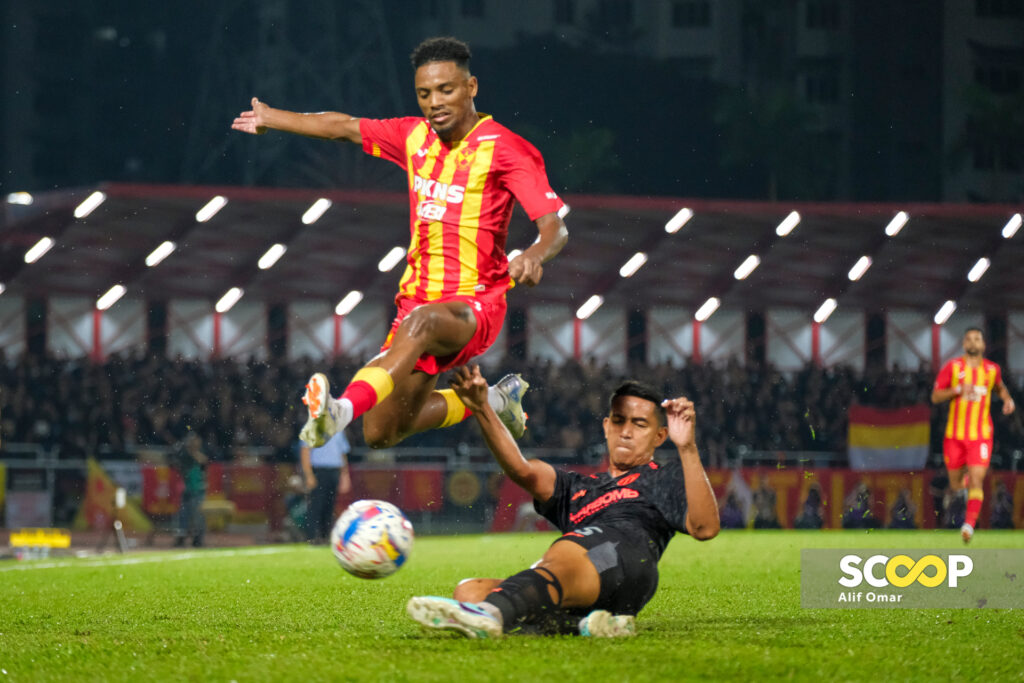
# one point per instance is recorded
(372, 539)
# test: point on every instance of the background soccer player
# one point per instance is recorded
(615, 525)
(970, 382)
(465, 173)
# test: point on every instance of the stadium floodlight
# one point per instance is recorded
(3, 288)
(564, 211)
(229, 299)
(160, 253)
(391, 259)
(942, 315)
(707, 308)
(787, 224)
(825, 310)
(978, 269)
(20, 198)
(316, 210)
(1012, 226)
(89, 204)
(38, 249)
(635, 263)
(676, 223)
(111, 297)
(348, 302)
(748, 266)
(271, 257)
(896, 224)
(515, 252)
(859, 268)
(211, 208)
(589, 306)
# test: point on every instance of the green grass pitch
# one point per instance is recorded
(726, 609)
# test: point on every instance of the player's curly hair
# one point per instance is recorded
(441, 49)
(644, 391)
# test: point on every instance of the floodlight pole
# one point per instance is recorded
(97, 335)
(697, 359)
(816, 344)
(577, 339)
(338, 326)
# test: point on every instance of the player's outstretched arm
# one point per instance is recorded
(702, 520)
(535, 476)
(326, 125)
(527, 268)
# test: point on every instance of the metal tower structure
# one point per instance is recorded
(311, 55)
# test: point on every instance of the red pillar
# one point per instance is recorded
(696, 342)
(216, 334)
(97, 335)
(816, 343)
(338, 320)
(577, 338)
(936, 347)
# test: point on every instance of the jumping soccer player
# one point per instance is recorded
(615, 525)
(970, 382)
(465, 173)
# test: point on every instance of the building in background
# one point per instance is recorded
(802, 99)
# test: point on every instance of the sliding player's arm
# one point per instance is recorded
(326, 125)
(702, 519)
(534, 476)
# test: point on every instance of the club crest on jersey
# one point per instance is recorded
(464, 158)
(432, 189)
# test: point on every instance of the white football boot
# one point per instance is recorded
(321, 424)
(506, 397)
(470, 619)
(603, 624)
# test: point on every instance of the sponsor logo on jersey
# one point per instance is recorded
(432, 189)
(429, 210)
(610, 498)
(627, 480)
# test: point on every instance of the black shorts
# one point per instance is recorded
(627, 566)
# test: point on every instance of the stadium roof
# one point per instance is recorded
(923, 265)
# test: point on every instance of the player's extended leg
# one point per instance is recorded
(440, 329)
(475, 590)
(564, 579)
(975, 496)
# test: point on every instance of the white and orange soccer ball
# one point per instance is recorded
(372, 539)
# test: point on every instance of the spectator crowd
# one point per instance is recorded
(84, 408)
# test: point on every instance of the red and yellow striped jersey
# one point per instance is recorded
(460, 202)
(969, 412)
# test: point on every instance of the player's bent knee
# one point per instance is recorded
(379, 434)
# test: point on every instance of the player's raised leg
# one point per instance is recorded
(439, 329)
(397, 399)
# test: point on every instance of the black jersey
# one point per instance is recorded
(648, 500)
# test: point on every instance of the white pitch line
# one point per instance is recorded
(121, 561)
